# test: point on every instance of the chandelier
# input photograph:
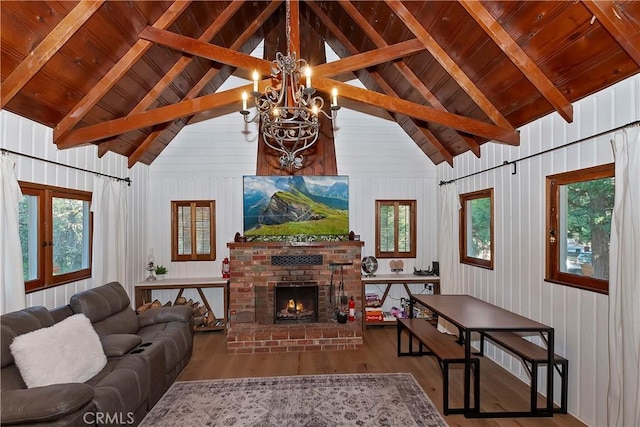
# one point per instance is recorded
(289, 113)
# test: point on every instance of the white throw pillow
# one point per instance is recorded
(67, 352)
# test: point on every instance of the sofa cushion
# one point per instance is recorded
(43, 403)
(67, 352)
(117, 345)
(108, 308)
(18, 323)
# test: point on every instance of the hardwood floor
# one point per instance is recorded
(499, 389)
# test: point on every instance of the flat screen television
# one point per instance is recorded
(295, 205)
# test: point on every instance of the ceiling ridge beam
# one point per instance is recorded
(178, 67)
(611, 20)
(422, 112)
(448, 64)
(49, 46)
(404, 69)
(240, 41)
(520, 59)
(114, 74)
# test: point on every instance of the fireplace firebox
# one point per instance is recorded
(295, 302)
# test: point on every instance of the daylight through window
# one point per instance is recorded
(476, 228)
(579, 226)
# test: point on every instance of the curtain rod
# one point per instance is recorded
(513, 162)
(127, 179)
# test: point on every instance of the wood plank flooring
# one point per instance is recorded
(499, 389)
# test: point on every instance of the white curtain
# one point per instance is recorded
(11, 276)
(108, 204)
(624, 284)
(449, 256)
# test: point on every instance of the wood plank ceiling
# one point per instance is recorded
(128, 76)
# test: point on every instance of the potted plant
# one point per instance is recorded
(161, 270)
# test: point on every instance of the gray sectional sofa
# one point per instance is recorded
(144, 353)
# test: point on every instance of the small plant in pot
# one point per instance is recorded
(160, 271)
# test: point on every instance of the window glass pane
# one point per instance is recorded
(404, 228)
(70, 235)
(387, 232)
(585, 219)
(28, 229)
(184, 230)
(479, 228)
(203, 230)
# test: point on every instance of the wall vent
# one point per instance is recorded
(297, 260)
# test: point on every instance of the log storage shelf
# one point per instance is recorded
(144, 289)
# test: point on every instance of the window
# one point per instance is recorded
(579, 210)
(476, 228)
(395, 228)
(193, 230)
(55, 228)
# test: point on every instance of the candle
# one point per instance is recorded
(244, 101)
(314, 109)
(307, 73)
(334, 97)
(256, 76)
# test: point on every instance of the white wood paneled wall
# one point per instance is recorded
(517, 282)
(28, 137)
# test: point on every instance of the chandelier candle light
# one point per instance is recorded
(289, 113)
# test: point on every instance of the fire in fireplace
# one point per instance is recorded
(296, 302)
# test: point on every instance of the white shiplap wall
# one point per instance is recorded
(27, 137)
(517, 282)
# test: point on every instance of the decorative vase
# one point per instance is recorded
(160, 276)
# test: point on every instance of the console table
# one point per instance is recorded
(388, 280)
(143, 294)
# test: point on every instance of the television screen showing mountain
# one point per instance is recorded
(296, 205)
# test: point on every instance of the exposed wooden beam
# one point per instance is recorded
(114, 74)
(206, 50)
(237, 59)
(240, 41)
(421, 112)
(519, 58)
(293, 23)
(619, 28)
(448, 64)
(368, 59)
(159, 115)
(405, 71)
(40, 55)
(181, 64)
(433, 140)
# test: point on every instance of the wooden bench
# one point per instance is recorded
(532, 356)
(445, 349)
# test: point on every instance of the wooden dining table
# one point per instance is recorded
(469, 315)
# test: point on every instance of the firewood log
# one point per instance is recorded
(156, 304)
(168, 304)
(144, 307)
(181, 301)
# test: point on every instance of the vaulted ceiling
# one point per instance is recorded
(129, 75)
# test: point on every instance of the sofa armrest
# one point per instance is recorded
(180, 313)
(116, 345)
(43, 403)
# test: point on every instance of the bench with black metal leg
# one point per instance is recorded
(445, 349)
(532, 356)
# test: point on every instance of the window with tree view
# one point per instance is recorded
(55, 235)
(476, 228)
(580, 207)
(395, 228)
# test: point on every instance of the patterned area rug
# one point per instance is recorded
(310, 401)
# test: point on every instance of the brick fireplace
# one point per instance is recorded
(257, 268)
